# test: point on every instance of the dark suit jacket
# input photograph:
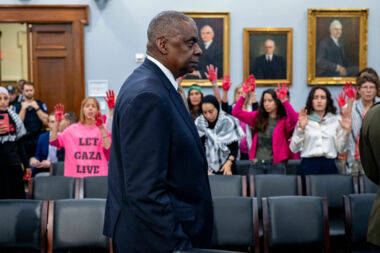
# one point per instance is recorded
(369, 147)
(213, 55)
(328, 56)
(263, 69)
(159, 197)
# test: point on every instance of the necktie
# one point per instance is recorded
(181, 92)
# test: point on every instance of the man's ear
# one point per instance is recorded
(162, 45)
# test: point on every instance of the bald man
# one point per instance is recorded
(269, 65)
(331, 57)
(212, 53)
(159, 197)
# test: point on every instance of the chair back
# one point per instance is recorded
(366, 185)
(332, 186)
(52, 188)
(57, 169)
(23, 224)
(295, 221)
(270, 185)
(235, 222)
(234, 185)
(95, 187)
(357, 212)
(76, 223)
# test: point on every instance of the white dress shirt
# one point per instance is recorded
(320, 140)
(269, 57)
(208, 44)
(166, 71)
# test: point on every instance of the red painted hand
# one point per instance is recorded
(58, 112)
(251, 82)
(211, 73)
(99, 119)
(341, 99)
(282, 91)
(110, 99)
(226, 84)
(349, 91)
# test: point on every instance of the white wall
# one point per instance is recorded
(117, 31)
(14, 65)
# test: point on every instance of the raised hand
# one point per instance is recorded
(303, 118)
(110, 99)
(349, 91)
(346, 121)
(211, 73)
(341, 100)
(226, 84)
(251, 81)
(99, 119)
(246, 88)
(282, 91)
(58, 112)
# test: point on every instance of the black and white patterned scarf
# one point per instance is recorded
(226, 131)
(17, 128)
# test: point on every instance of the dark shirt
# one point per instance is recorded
(33, 124)
(264, 149)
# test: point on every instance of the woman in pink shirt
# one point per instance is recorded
(272, 124)
(87, 143)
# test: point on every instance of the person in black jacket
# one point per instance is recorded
(269, 65)
(12, 154)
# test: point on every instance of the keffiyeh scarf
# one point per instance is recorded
(18, 131)
(226, 131)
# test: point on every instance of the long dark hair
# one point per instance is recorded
(263, 116)
(329, 105)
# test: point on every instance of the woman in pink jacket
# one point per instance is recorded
(272, 124)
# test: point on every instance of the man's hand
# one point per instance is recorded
(34, 104)
(58, 112)
(342, 70)
(341, 100)
(27, 174)
(282, 91)
(35, 163)
(45, 164)
(110, 99)
(212, 73)
(24, 105)
(226, 84)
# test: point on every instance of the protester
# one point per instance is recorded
(220, 134)
(272, 124)
(321, 134)
(12, 153)
(87, 143)
(367, 90)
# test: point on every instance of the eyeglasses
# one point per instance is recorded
(368, 87)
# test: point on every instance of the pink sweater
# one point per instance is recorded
(85, 155)
(280, 134)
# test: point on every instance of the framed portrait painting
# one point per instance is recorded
(337, 45)
(267, 54)
(214, 40)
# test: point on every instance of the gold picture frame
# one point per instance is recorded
(254, 61)
(334, 57)
(220, 23)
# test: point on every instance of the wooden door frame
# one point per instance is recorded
(78, 15)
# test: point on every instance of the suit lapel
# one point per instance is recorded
(177, 100)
